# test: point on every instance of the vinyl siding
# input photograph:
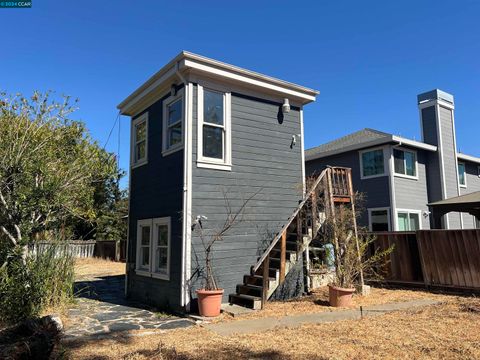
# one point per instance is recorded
(449, 161)
(473, 185)
(156, 191)
(263, 161)
(376, 190)
(412, 194)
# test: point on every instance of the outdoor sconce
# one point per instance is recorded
(173, 90)
(286, 106)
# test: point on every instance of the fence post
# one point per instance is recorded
(265, 280)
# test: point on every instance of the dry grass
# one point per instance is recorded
(447, 331)
(95, 267)
(318, 302)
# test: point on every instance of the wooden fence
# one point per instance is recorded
(75, 248)
(110, 249)
(444, 258)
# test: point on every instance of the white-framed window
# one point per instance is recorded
(214, 129)
(173, 120)
(379, 219)
(139, 140)
(153, 247)
(409, 220)
(462, 175)
(372, 163)
(405, 163)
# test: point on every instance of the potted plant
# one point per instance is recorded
(210, 295)
(350, 250)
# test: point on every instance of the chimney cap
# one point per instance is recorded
(436, 94)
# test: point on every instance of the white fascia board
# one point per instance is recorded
(414, 143)
(470, 158)
(265, 82)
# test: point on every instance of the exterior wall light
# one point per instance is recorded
(286, 106)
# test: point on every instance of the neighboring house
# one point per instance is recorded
(401, 176)
(201, 129)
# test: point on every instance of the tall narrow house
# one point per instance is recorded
(205, 136)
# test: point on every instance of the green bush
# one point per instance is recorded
(45, 280)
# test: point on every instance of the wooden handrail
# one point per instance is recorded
(290, 219)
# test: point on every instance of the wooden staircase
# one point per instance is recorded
(332, 186)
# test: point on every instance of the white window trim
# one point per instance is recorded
(211, 163)
(133, 163)
(408, 212)
(464, 186)
(478, 171)
(361, 152)
(416, 164)
(379, 209)
(153, 241)
(167, 151)
(140, 224)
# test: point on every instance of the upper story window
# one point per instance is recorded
(408, 220)
(462, 176)
(372, 163)
(214, 129)
(172, 124)
(405, 162)
(140, 140)
(153, 247)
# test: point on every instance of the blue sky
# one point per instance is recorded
(369, 59)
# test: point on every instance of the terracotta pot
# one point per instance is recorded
(340, 297)
(209, 302)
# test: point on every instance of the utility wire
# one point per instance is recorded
(111, 130)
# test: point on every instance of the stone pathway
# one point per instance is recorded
(102, 309)
(263, 324)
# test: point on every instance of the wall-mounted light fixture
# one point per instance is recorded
(173, 90)
(286, 106)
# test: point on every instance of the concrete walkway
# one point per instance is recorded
(263, 324)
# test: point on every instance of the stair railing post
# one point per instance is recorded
(283, 255)
(265, 280)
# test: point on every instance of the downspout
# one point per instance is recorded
(186, 230)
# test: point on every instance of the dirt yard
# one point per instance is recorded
(90, 267)
(447, 331)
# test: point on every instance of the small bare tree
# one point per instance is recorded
(209, 239)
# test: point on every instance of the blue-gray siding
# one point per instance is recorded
(376, 190)
(156, 191)
(263, 161)
(412, 194)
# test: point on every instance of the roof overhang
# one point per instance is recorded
(186, 61)
(468, 203)
(466, 157)
(387, 139)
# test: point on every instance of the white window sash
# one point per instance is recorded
(166, 149)
(464, 185)
(202, 161)
(404, 174)
(362, 176)
(409, 212)
(370, 223)
(134, 162)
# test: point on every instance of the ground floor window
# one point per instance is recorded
(379, 219)
(153, 247)
(408, 220)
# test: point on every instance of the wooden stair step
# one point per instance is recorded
(252, 302)
(253, 290)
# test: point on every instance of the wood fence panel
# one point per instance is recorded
(450, 257)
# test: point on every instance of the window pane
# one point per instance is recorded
(213, 107)
(145, 256)
(410, 163)
(402, 222)
(414, 222)
(145, 235)
(140, 151)
(140, 131)
(373, 163)
(174, 112)
(212, 142)
(399, 161)
(163, 235)
(379, 220)
(162, 254)
(461, 174)
(175, 134)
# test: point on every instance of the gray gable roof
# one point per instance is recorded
(356, 139)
